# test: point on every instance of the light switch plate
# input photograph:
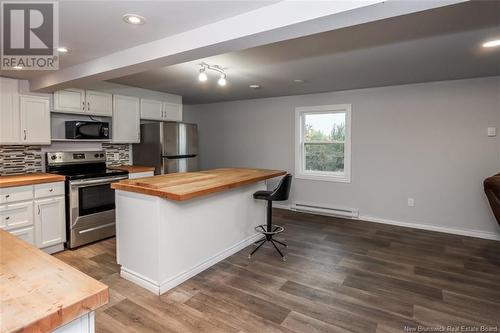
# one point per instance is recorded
(492, 131)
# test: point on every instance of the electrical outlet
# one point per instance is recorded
(411, 202)
(492, 131)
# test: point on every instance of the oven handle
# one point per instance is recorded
(85, 183)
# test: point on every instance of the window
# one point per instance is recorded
(323, 142)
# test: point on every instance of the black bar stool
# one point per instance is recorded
(280, 193)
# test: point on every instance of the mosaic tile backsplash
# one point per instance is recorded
(116, 154)
(20, 159)
(15, 159)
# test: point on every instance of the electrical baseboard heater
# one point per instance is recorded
(324, 210)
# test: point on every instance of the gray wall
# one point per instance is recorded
(425, 141)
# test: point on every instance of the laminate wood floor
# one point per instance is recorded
(340, 276)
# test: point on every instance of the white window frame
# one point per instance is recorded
(300, 172)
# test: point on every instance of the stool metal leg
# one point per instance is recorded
(277, 241)
(277, 249)
(255, 250)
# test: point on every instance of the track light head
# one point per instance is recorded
(222, 80)
(202, 77)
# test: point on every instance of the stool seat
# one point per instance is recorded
(262, 195)
(281, 193)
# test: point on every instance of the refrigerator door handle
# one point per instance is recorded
(176, 157)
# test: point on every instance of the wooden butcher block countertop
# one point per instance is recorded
(29, 179)
(185, 186)
(38, 292)
(133, 168)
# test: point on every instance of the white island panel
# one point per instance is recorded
(161, 243)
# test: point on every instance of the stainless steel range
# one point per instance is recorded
(90, 200)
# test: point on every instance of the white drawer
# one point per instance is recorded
(141, 174)
(16, 215)
(18, 193)
(26, 234)
(49, 189)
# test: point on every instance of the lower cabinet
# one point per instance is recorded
(26, 234)
(49, 222)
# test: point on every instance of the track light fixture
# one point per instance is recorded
(202, 76)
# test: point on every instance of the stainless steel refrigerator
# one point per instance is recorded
(167, 146)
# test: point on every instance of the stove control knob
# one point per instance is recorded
(96, 155)
(101, 155)
(53, 157)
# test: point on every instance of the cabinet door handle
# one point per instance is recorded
(83, 106)
(24, 134)
(7, 196)
(88, 106)
(7, 218)
(50, 190)
(38, 209)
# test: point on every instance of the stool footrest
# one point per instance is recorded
(275, 229)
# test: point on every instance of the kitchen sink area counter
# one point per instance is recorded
(40, 293)
(171, 227)
(29, 179)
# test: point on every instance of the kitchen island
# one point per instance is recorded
(39, 293)
(171, 227)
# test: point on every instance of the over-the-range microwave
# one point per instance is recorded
(87, 130)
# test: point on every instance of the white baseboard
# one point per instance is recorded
(448, 230)
(53, 249)
(160, 288)
(140, 280)
(178, 279)
(454, 231)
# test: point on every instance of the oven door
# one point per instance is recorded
(91, 210)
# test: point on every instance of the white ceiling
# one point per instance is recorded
(92, 29)
(439, 44)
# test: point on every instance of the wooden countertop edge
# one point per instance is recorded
(45, 178)
(64, 314)
(67, 314)
(184, 197)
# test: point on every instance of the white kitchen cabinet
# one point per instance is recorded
(49, 222)
(16, 215)
(156, 110)
(172, 112)
(79, 101)
(126, 119)
(9, 111)
(26, 234)
(35, 119)
(143, 174)
(70, 100)
(151, 110)
(99, 103)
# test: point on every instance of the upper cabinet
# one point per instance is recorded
(35, 120)
(25, 119)
(126, 119)
(89, 102)
(156, 110)
(9, 111)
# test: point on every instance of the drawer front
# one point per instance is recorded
(49, 189)
(16, 215)
(26, 234)
(140, 174)
(18, 193)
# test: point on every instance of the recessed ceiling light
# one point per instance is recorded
(62, 49)
(17, 67)
(134, 19)
(492, 43)
(254, 86)
(298, 81)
